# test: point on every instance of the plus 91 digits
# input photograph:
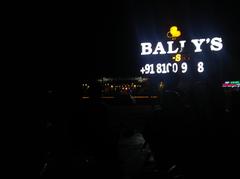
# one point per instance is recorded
(163, 68)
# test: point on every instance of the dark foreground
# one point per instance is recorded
(145, 139)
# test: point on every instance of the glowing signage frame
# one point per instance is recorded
(231, 84)
(147, 48)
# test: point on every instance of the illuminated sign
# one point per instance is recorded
(149, 49)
(176, 49)
(231, 84)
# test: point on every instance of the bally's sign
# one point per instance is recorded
(147, 48)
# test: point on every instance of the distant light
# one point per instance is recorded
(231, 84)
(85, 97)
(161, 85)
(106, 79)
(140, 79)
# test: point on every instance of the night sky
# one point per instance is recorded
(94, 39)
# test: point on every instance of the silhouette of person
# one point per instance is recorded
(164, 131)
(94, 134)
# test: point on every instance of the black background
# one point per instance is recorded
(93, 39)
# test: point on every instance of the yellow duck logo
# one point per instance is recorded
(174, 33)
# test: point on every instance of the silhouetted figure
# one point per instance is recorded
(165, 131)
(235, 101)
(56, 115)
(94, 136)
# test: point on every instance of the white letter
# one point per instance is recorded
(200, 67)
(164, 68)
(168, 65)
(146, 48)
(175, 67)
(160, 48)
(182, 43)
(184, 67)
(170, 49)
(216, 44)
(197, 43)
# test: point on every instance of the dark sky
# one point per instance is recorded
(96, 39)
